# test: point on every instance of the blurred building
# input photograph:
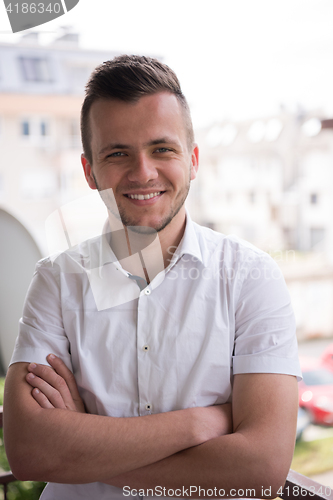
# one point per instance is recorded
(270, 181)
(41, 91)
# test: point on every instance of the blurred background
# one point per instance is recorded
(258, 77)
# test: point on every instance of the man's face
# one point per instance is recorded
(140, 151)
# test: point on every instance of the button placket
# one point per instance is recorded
(143, 356)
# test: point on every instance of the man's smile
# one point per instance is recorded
(144, 198)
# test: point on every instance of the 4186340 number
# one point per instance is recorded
(32, 8)
(298, 491)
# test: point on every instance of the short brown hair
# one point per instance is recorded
(127, 78)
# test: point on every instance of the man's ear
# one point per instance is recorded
(194, 161)
(87, 168)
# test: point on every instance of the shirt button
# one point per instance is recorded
(145, 348)
(147, 291)
(148, 406)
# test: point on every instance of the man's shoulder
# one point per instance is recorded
(228, 245)
(79, 258)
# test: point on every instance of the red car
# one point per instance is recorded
(316, 392)
(327, 357)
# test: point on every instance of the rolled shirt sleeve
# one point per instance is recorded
(265, 339)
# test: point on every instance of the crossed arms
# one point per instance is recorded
(52, 439)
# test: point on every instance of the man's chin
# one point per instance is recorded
(141, 229)
(145, 225)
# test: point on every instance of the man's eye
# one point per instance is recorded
(163, 150)
(117, 153)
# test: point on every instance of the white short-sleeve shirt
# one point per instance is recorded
(221, 308)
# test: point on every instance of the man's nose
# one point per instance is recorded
(142, 170)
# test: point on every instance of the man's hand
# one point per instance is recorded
(54, 387)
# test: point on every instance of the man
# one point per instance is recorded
(172, 343)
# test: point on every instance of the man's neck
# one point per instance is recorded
(151, 252)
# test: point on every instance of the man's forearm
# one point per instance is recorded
(65, 446)
(230, 466)
(62, 446)
(256, 456)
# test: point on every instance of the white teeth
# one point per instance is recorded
(143, 196)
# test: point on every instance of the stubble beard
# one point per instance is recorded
(132, 223)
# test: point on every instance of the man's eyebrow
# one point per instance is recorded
(162, 140)
(154, 142)
(115, 145)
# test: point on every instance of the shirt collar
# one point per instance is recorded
(106, 254)
(189, 244)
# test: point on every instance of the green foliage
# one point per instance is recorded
(313, 457)
(2, 384)
(19, 490)
(26, 490)
(3, 460)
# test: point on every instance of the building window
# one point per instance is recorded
(314, 198)
(35, 69)
(317, 238)
(74, 134)
(25, 128)
(43, 129)
(35, 128)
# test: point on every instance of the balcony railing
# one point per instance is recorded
(297, 486)
(301, 487)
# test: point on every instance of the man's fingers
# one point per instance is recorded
(49, 392)
(52, 385)
(41, 399)
(60, 378)
(59, 366)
